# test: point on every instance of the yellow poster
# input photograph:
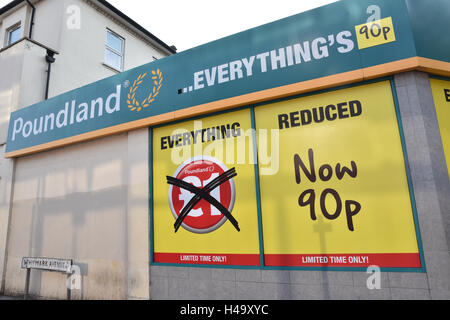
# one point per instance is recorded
(441, 96)
(339, 196)
(204, 199)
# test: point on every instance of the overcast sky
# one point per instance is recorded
(189, 23)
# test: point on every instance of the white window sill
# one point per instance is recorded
(111, 68)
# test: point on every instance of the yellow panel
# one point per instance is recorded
(224, 245)
(358, 130)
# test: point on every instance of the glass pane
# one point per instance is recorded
(14, 35)
(112, 59)
(114, 42)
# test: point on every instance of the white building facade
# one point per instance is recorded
(49, 47)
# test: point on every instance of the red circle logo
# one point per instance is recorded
(204, 217)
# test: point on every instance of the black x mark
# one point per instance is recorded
(204, 194)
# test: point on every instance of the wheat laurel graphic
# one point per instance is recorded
(135, 105)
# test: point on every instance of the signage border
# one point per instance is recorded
(150, 195)
(408, 177)
(257, 188)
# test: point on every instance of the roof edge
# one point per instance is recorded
(135, 25)
(10, 6)
(116, 11)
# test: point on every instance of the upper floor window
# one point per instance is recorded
(114, 50)
(14, 34)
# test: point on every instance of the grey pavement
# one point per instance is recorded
(10, 298)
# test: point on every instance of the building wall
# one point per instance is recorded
(22, 63)
(81, 58)
(42, 188)
(17, 15)
(49, 19)
(90, 206)
(6, 176)
(429, 175)
(11, 62)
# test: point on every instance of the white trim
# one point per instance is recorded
(10, 30)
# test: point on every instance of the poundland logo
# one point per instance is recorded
(71, 115)
(132, 101)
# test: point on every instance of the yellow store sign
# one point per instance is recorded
(341, 195)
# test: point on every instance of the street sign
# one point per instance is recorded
(48, 264)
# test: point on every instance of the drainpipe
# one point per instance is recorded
(33, 9)
(50, 59)
(50, 54)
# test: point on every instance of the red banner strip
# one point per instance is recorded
(394, 260)
(386, 260)
(208, 259)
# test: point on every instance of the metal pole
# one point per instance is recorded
(48, 79)
(50, 58)
(69, 286)
(27, 284)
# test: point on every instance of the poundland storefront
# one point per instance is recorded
(306, 158)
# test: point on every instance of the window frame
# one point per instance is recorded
(10, 31)
(120, 54)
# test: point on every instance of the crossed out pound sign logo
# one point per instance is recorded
(202, 194)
